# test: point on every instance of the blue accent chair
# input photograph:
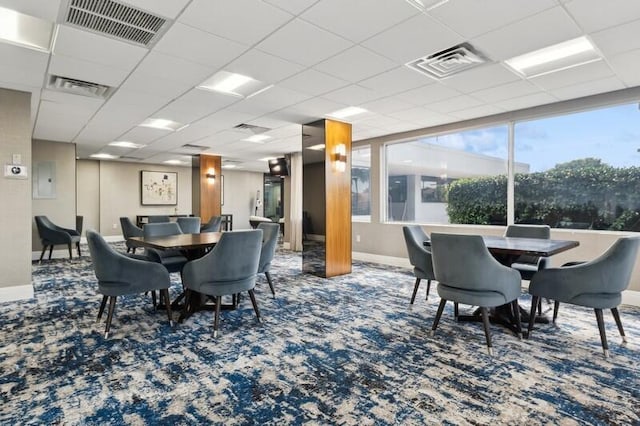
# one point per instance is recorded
(269, 242)
(419, 256)
(119, 275)
(53, 235)
(189, 225)
(597, 284)
(213, 225)
(129, 230)
(173, 260)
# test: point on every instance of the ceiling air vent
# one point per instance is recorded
(448, 62)
(116, 20)
(250, 128)
(79, 87)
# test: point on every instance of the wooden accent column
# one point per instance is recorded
(206, 192)
(327, 198)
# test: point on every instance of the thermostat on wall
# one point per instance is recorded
(15, 171)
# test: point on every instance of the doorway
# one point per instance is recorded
(273, 197)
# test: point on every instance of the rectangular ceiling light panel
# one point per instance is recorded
(234, 84)
(561, 56)
(116, 20)
(448, 62)
(24, 30)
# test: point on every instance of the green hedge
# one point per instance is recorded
(582, 193)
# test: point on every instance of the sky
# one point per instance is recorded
(611, 134)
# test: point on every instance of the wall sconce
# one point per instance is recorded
(340, 158)
(211, 175)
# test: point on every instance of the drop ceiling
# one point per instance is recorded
(320, 56)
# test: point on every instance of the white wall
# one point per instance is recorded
(240, 188)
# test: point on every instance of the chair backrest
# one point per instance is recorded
(79, 223)
(161, 229)
(233, 259)
(102, 257)
(129, 229)
(617, 263)
(529, 231)
(419, 255)
(189, 225)
(269, 242)
(49, 231)
(461, 260)
(214, 225)
(158, 218)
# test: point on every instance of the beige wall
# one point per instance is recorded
(88, 193)
(239, 195)
(61, 209)
(15, 216)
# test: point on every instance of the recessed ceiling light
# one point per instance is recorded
(126, 144)
(318, 147)
(24, 30)
(426, 5)
(234, 84)
(267, 159)
(229, 166)
(347, 112)
(561, 56)
(103, 156)
(163, 124)
(174, 162)
(257, 138)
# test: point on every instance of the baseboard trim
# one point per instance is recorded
(629, 297)
(19, 292)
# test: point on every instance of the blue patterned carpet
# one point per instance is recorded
(347, 351)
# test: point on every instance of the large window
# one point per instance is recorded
(360, 183)
(584, 170)
(453, 178)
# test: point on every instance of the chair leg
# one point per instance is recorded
(268, 275)
(616, 316)
(487, 332)
(532, 314)
(516, 314)
(165, 293)
(50, 251)
(540, 306)
(128, 249)
(78, 247)
(70, 251)
(102, 305)
(556, 306)
(44, 249)
(603, 334)
(455, 310)
(415, 290)
(112, 308)
(216, 320)
(153, 300)
(255, 304)
(438, 315)
(428, 288)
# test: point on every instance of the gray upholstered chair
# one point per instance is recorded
(597, 284)
(129, 230)
(213, 225)
(53, 235)
(189, 225)
(419, 256)
(467, 273)
(173, 260)
(269, 242)
(529, 265)
(158, 218)
(119, 275)
(229, 268)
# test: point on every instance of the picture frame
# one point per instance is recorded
(158, 188)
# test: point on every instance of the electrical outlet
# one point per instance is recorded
(357, 238)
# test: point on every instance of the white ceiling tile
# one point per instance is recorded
(397, 80)
(593, 71)
(413, 114)
(198, 46)
(353, 95)
(263, 67)
(618, 39)
(303, 43)
(142, 84)
(70, 99)
(478, 111)
(355, 64)
(26, 67)
(167, 9)
(426, 94)
(270, 100)
(61, 121)
(167, 67)
(433, 119)
(196, 104)
(144, 135)
(292, 6)
(506, 91)
(96, 48)
(482, 77)
(358, 19)
(526, 101)
(78, 69)
(244, 21)
(387, 105)
(454, 104)
(466, 18)
(317, 107)
(313, 82)
(535, 32)
(594, 15)
(574, 91)
(47, 10)
(378, 121)
(627, 67)
(416, 37)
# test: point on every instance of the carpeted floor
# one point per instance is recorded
(346, 350)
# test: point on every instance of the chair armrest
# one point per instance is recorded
(567, 282)
(141, 275)
(55, 235)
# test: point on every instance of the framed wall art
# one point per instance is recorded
(158, 188)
